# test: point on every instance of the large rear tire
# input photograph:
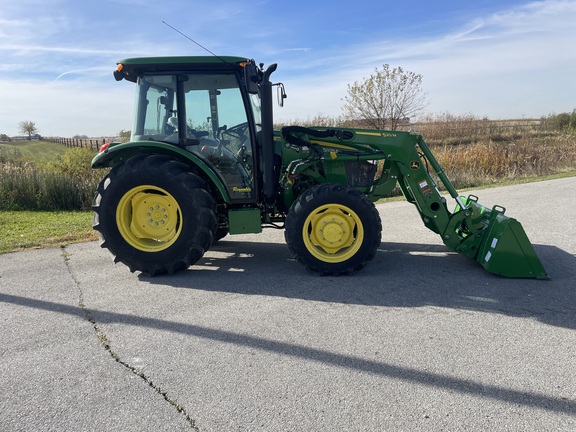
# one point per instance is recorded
(333, 230)
(154, 215)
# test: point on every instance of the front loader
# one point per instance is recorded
(204, 162)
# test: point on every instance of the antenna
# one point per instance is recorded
(192, 40)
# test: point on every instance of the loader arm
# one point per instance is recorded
(497, 242)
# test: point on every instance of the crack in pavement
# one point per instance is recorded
(105, 342)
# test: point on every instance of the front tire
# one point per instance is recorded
(333, 230)
(154, 215)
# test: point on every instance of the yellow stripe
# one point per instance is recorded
(369, 133)
(378, 134)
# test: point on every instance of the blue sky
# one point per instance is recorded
(494, 58)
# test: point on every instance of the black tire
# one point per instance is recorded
(154, 215)
(221, 232)
(333, 230)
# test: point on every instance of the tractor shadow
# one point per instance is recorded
(400, 275)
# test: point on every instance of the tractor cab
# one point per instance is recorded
(201, 105)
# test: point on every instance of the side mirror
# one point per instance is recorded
(281, 93)
(251, 77)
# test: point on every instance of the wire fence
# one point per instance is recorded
(91, 143)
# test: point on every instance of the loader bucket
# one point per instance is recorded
(505, 249)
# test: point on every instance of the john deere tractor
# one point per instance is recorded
(204, 162)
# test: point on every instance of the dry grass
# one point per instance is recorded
(489, 162)
(477, 151)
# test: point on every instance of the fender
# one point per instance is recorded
(117, 153)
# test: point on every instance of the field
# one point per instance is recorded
(45, 176)
(46, 189)
(476, 152)
(481, 152)
(37, 151)
(45, 195)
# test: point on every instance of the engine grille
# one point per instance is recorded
(361, 173)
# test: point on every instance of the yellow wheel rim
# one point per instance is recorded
(149, 218)
(333, 233)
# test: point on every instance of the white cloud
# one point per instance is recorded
(515, 63)
(66, 108)
(84, 71)
(22, 50)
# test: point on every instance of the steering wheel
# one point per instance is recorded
(239, 131)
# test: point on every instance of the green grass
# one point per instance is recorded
(46, 177)
(34, 150)
(23, 229)
(28, 230)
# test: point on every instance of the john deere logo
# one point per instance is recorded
(414, 165)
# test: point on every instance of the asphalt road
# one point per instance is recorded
(421, 340)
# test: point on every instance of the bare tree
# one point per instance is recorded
(125, 135)
(28, 127)
(385, 98)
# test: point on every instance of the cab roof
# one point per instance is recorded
(131, 68)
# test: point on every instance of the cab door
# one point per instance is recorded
(217, 119)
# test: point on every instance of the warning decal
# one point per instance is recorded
(425, 188)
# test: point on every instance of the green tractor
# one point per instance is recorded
(204, 162)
